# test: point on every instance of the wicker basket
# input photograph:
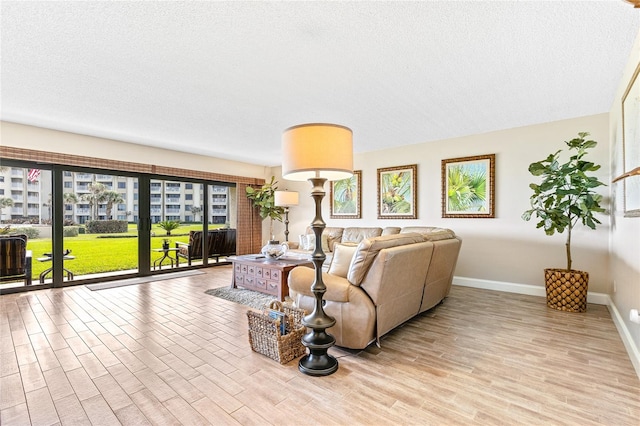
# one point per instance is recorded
(265, 336)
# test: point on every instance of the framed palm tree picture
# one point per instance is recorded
(468, 186)
(346, 197)
(397, 189)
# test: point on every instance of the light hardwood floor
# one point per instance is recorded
(166, 353)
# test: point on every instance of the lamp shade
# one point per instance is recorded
(317, 150)
(286, 198)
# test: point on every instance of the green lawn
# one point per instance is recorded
(98, 255)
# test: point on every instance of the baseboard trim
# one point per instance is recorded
(623, 331)
(531, 290)
(534, 290)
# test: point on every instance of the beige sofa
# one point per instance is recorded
(382, 282)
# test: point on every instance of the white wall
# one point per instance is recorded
(505, 249)
(625, 231)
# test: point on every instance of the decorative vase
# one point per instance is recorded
(566, 290)
(274, 250)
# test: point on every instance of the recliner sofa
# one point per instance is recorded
(381, 283)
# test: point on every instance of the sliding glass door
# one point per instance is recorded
(100, 224)
(90, 225)
(176, 223)
(25, 214)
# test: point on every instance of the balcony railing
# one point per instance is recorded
(84, 176)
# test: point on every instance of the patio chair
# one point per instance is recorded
(15, 259)
(220, 243)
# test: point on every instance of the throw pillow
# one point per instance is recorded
(342, 255)
(310, 242)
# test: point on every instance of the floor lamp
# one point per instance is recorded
(286, 199)
(317, 152)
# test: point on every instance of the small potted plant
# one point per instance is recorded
(565, 197)
(165, 244)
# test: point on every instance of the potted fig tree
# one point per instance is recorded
(264, 199)
(566, 197)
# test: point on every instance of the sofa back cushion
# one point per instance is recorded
(431, 233)
(391, 230)
(341, 260)
(368, 249)
(357, 234)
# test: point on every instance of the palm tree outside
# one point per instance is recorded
(111, 198)
(5, 202)
(94, 198)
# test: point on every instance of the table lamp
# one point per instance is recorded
(286, 199)
(317, 152)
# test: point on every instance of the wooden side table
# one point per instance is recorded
(265, 276)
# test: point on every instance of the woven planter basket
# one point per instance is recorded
(566, 290)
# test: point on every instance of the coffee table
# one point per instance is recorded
(254, 272)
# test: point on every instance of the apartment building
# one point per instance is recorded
(30, 193)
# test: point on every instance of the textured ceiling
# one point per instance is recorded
(226, 78)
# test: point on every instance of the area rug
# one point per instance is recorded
(140, 280)
(253, 299)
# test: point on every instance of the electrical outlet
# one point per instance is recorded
(615, 287)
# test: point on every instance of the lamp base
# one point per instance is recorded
(318, 362)
(321, 364)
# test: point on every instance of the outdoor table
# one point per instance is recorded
(165, 255)
(48, 258)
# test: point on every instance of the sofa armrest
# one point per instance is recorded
(301, 278)
(180, 243)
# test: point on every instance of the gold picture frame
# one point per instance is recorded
(346, 197)
(468, 187)
(397, 192)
